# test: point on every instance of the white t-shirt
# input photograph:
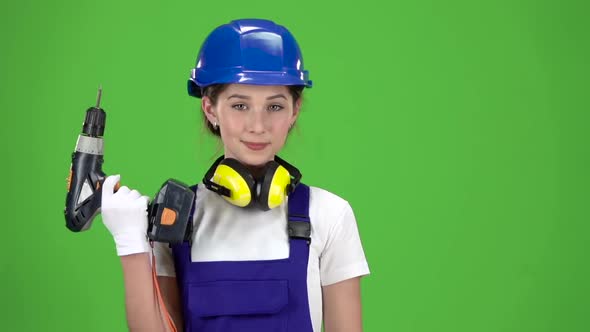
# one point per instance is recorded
(224, 232)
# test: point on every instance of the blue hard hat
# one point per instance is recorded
(249, 51)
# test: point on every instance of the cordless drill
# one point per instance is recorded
(168, 213)
(86, 175)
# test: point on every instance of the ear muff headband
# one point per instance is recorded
(294, 174)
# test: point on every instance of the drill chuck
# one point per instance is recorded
(94, 122)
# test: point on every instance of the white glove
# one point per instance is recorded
(124, 213)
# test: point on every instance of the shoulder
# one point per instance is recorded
(327, 210)
(326, 200)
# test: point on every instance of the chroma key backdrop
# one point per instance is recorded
(458, 131)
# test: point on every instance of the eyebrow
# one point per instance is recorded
(280, 95)
(238, 96)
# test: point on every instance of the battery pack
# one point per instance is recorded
(168, 213)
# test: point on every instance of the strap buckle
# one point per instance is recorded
(299, 230)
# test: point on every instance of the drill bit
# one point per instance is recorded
(95, 118)
(99, 95)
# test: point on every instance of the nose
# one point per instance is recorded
(257, 121)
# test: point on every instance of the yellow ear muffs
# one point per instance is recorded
(273, 186)
(240, 184)
(232, 180)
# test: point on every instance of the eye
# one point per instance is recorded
(275, 108)
(239, 107)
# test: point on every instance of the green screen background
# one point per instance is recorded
(457, 130)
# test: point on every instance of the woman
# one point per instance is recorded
(258, 261)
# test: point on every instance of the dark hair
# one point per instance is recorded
(213, 92)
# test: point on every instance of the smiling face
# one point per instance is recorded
(253, 120)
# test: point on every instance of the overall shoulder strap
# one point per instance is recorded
(194, 189)
(298, 224)
(190, 217)
(182, 252)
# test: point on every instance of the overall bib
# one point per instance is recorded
(250, 296)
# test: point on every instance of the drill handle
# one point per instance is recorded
(84, 195)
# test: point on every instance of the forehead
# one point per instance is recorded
(255, 91)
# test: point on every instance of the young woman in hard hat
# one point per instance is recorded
(267, 253)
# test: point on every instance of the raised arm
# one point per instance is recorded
(171, 296)
(141, 304)
(124, 213)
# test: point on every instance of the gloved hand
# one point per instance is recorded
(124, 213)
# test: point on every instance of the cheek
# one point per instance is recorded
(281, 130)
(281, 122)
(230, 122)
(230, 133)
(284, 129)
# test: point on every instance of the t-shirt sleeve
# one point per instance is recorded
(164, 260)
(343, 256)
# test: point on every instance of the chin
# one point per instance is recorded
(255, 160)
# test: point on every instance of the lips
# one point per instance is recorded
(255, 146)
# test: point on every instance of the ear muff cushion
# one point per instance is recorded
(235, 177)
(273, 186)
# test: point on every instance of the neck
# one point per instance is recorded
(257, 171)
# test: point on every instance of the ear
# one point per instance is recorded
(209, 110)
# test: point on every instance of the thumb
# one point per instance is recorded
(109, 185)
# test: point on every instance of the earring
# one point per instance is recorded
(215, 125)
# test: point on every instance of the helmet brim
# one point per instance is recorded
(202, 79)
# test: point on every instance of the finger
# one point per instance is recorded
(109, 184)
(134, 194)
(145, 199)
(124, 190)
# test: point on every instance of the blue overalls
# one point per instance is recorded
(250, 296)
